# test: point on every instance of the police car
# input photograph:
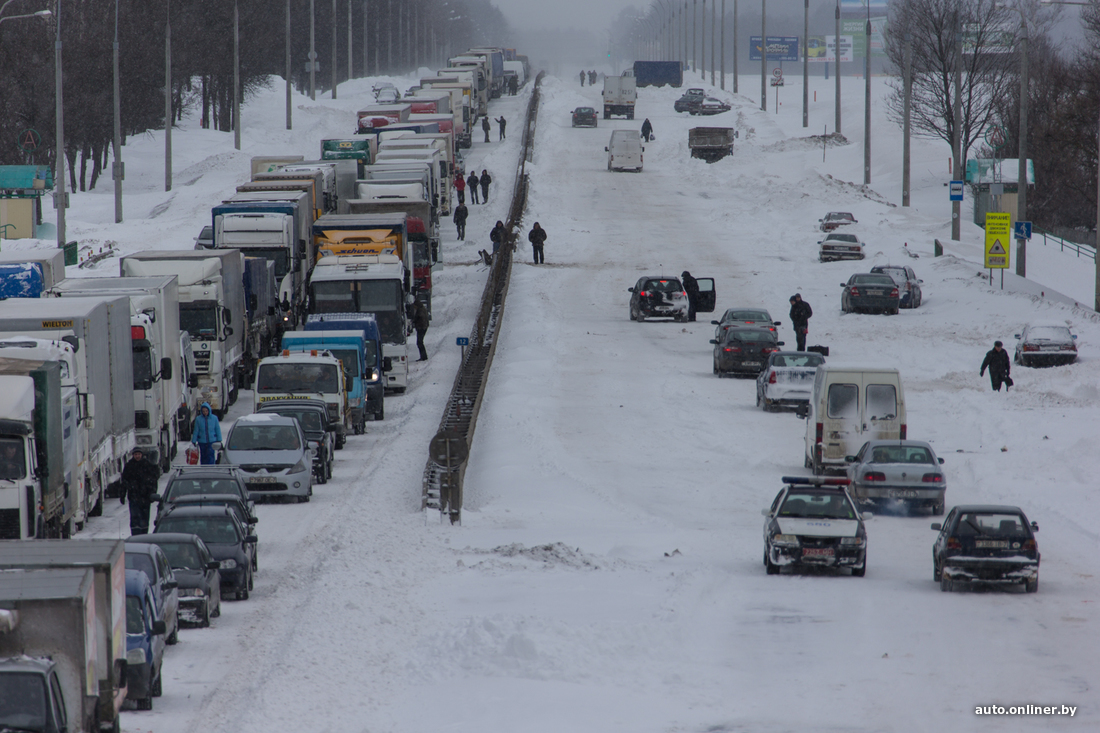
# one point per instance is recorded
(814, 522)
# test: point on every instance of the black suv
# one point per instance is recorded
(584, 117)
(691, 101)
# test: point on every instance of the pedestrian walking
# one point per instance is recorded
(647, 130)
(461, 212)
(691, 287)
(497, 235)
(592, 78)
(999, 366)
(485, 127)
(460, 186)
(502, 123)
(420, 321)
(583, 75)
(471, 186)
(537, 238)
(485, 180)
(801, 312)
(206, 431)
(513, 85)
(139, 483)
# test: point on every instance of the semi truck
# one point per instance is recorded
(361, 149)
(86, 641)
(476, 66)
(375, 365)
(212, 311)
(619, 95)
(658, 73)
(495, 61)
(28, 273)
(265, 322)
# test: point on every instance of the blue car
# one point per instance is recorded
(144, 641)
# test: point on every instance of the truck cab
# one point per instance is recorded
(350, 348)
(31, 696)
(307, 374)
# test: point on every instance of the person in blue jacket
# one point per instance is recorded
(206, 432)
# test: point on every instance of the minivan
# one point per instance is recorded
(625, 150)
(849, 406)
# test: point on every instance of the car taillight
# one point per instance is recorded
(894, 293)
(903, 431)
(771, 379)
(733, 349)
(853, 291)
(1030, 347)
(953, 544)
(644, 294)
(684, 294)
(819, 434)
(932, 478)
(874, 476)
(768, 350)
(1073, 347)
(1029, 545)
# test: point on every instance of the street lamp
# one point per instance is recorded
(867, 101)
(118, 168)
(764, 55)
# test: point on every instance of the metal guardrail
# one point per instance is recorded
(442, 486)
(1082, 250)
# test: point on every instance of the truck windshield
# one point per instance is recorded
(23, 701)
(383, 298)
(350, 359)
(13, 464)
(370, 354)
(199, 319)
(143, 366)
(278, 255)
(275, 378)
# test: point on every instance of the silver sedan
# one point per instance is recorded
(905, 471)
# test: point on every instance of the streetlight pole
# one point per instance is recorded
(735, 46)
(236, 77)
(907, 115)
(713, 24)
(867, 101)
(703, 44)
(805, 63)
(117, 169)
(61, 199)
(764, 55)
(312, 51)
(956, 138)
(836, 54)
(350, 70)
(333, 60)
(289, 96)
(722, 53)
(168, 95)
(694, 39)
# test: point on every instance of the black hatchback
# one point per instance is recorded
(743, 350)
(196, 571)
(584, 117)
(225, 537)
(986, 544)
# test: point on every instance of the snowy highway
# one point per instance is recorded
(607, 573)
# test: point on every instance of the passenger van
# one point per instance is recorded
(849, 406)
(625, 150)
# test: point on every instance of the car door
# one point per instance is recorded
(169, 588)
(941, 538)
(704, 302)
(880, 409)
(843, 415)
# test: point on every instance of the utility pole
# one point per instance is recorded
(722, 54)
(867, 102)
(312, 52)
(956, 137)
(61, 188)
(764, 55)
(703, 44)
(118, 167)
(289, 70)
(694, 38)
(168, 96)
(1021, 184)
(836, 52)
(236, 77)
(332, 60)
(805, 63)
(366, 29)
(735, 46)
(906, 116)
(351, 71)
(713, 24)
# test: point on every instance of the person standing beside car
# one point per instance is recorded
(139, 483)
(801, 312)
(460, 187)
(691, 287)
(206, 431)
(420, 320)
(996, 361)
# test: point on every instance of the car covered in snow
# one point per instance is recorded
(835, 219)
(907, 281)
(658, 297)
(986, 544)
(690, 101)
(712, 106)
(868, 292)
(840, 246)
(752, 316)
(1045, 344)
(584, 117)
(898, 471)
(787, 379)
(813, 522)
(743, 350)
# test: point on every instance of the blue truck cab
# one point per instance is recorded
(374, 365)
(144, 641)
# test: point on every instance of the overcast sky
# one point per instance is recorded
(588, 14)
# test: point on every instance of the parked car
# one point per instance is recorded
(196, 572)
(713, 106)
(839, 246)
(743, 350)
(905, 471)
(312, 417)
(144, 641)
(1045, 344)
(756, 317)
(814, 522)
(205, 240)
(867, 292)
(151, 560)
(387, 95)
(658, 297)
(835, 219)
(690, 100)
(274, 455)
(907, 281)
(585, 117)
(787, 379)
(986, 544)
(227, 539)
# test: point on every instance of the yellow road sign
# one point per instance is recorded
(997, 236)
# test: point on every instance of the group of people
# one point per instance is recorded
(590, 76)
(472, 182)
(502, 124)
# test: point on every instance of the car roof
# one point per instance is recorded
(274, 405)
(1046, 324)
(144, 548)
(257, 418)
(212, 498)
(796, 353)
(879, 268)
(658, 277)
(989, 509)
(210, 510)
(200, 471)
(136, 582)
(164, 537)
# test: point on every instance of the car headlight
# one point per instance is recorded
(192, 593)
(858, 541)
(375, 375)
(785, 539)
(135, 656)
(299, 466)
(228, 564)
(355, 402)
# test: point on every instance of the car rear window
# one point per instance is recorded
(665, 286)
(992, 524)
(1049, 333)
(881, 280)
(753, 316)
(750, 335)
(896, 273)
(882, 402)
(212, 530)
(901, 454)
(843, 400)
(182, 555)
(802, 360)
(192, 487)
(843, 238)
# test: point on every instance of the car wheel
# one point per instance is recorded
(175, 635)
(217, 609)
(714, 366)
(937, 574)
(1032, 586)
(861, 570)
(158, 689)
(945, 583)
(204, 620)
(769, 566)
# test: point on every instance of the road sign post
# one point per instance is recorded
(463, 341)
(956, 190)
(1022, 230)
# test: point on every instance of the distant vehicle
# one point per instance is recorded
(196, 571)
(986, 544)
(907, 281)
(787, 379)
(814, 522)
(867, 292)
(658, 297)
(1045, 345)
(227, 539)
(152, 561)
(835, 219)
(144, 642)
(743, 350)
(274, 455)
(905, 471)
(713, 106)
(205, 240)
(756, 317)
(387, 95)
(690, 101)
(585, 117)
(625, 151)
(711, 143)
(838, 246)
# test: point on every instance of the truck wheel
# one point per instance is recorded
(381, 414)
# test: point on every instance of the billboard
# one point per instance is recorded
(822, 49)
(852, 6)
(780, 48)
(857, 29)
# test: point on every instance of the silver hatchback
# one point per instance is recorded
(273, 455)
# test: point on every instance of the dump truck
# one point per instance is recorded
(711, 143)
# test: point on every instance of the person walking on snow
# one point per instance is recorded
(801, 312)
(139, 483)
(497, 235)
(583, 74)
(691, 287)
(503, 123)
(460, 186)
(485, 127)
(485, 180)
(996, 361)
(647, 130)
(537, 238)
(461, 212)
(592, 78)
(420, 321)
(471, 185)
(206, 431)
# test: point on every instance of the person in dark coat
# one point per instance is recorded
(485, 180)
(497, 235)
(592, 78)
(647, 130)
(139, 483)
(460, 186)
(537, 238)
(691, 287)
(583, 75)
(485, 127)
(998, 364)
(503, 123)
(461, 212)
(801, 312)
(205, 433)
(420, 321)
(513, 86)
(471, 186)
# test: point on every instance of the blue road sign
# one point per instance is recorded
(1022, 230)
(956, 190)
(462, 341)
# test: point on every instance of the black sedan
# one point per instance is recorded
(196, 571)
(203, 480)
(690, 101)
(743, 350)
(658, 297)
(870, 293)
(986, 544)
(584, 117)
(227, 539)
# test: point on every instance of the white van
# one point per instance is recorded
(848, 407)
(625, 150)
